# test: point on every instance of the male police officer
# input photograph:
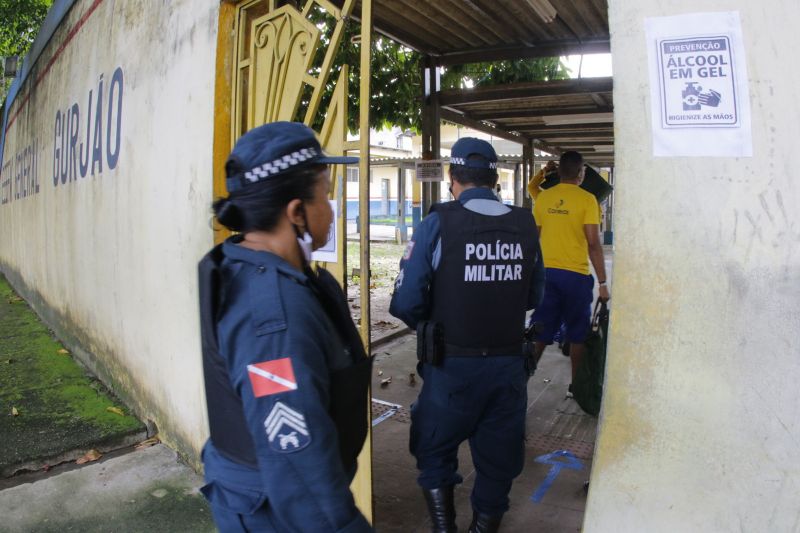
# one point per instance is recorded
(466, 280)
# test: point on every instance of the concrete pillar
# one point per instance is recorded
(401, 228)
(431, 127)
(527, 164)
(700, 428)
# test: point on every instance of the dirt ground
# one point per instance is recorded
(385, 264)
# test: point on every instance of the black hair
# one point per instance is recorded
(570, 164)
(258, 206)
(479, 177)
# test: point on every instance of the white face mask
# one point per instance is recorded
(305, 243)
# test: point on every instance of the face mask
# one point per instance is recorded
(305, 243)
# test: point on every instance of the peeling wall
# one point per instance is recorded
(103, 221)
(700, 426)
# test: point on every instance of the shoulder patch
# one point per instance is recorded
(286, 429)
(409, 250)
(272, 377)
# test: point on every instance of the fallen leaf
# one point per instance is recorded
(14, 299)
(62, 351)
(412, 379)
(385, 382)
(46, 468)
(115, 410)
(14, 411)
(152, 441)
(91, 455)
(380, 372)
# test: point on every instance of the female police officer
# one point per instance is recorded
(286, 374)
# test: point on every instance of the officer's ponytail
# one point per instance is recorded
(258, 206)
(228, 214)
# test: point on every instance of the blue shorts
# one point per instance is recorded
(567, 299)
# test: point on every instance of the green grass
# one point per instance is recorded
(59, 406)
(384, 258)
(388, 220)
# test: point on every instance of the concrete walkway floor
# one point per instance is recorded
(146, 491)
(554, 423)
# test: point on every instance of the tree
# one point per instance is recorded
(396, 85)
(19, 23)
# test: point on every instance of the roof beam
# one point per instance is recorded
(598, 99)
(563, 137)
(535, 113)
(555, 49)
(465, 120)
(603, 128)
(524, 90)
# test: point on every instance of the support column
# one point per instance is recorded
(416, 203)
(362, 484)
(401, 230)
(527, 166)
(431, 127)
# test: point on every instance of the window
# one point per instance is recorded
(352, 174)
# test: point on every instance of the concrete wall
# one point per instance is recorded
(103, 238)
(700, 428)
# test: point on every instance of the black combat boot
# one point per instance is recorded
(484, 523)
(442, 509)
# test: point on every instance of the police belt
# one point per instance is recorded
(518, 349)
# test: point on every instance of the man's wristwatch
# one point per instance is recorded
(601, 282)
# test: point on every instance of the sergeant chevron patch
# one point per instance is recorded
(286, 429)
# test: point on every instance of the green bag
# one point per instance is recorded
(587, 387)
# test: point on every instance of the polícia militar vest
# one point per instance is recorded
(481, 288)
(349, 387)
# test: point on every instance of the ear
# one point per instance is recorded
(296, 213)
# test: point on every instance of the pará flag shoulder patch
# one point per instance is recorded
(272, 377)
(286, 429)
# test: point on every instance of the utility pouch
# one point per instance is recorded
(430, 343)
(531, 361)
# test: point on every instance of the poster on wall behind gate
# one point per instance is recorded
(700, 101)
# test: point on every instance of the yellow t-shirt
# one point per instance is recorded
(561, 212)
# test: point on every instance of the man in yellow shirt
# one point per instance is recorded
(569, 232)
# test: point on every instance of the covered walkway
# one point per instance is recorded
(555, 424)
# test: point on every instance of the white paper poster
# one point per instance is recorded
(700, 101)
(327, 253)
(432, 170)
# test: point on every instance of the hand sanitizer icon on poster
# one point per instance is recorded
(697, 83)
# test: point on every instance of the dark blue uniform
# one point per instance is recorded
(482, 399)
(281, 351)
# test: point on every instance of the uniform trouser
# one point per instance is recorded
(238, 504)
(483, 399)
(228, 521)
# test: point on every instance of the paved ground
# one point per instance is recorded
(146, 491)
(554, 423)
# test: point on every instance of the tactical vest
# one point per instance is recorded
(348, 387)
(480, 289)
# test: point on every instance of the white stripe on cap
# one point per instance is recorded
(462, 161)
(273, 167)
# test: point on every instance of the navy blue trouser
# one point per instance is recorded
(483, 399)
